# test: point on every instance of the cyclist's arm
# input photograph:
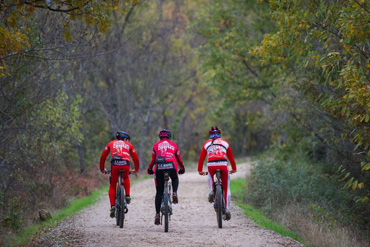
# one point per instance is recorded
(135, 158)
(179, 160)
(203, 155)
(230, 156)
(103, 156)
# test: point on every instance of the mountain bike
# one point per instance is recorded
(219, 201)
(166, 206)
(120, 200)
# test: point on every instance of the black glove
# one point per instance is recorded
(150, 171)
(182, 171)
(103, 171)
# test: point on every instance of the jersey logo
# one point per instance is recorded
(119, 146)
(164, 146)
(216, 151)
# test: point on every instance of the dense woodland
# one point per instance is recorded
(288, 82)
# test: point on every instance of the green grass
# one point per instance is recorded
(36, 230)
(27, 234)
(238, 187)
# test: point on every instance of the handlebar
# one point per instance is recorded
(110, 171)
(206, 173)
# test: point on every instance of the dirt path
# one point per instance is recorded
(193, 223)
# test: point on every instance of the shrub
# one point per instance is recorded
(275, 183)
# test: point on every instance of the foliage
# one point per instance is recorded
(244, 86)
(329, 42)
(278, 182)
(17, 16)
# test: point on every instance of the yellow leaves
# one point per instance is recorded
(347, 47)
(12, 42)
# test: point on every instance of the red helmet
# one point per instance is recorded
(214, 131)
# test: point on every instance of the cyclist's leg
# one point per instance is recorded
(113, 182)
(175, 185)
(211, 174)
(225, 179)
(174, 178)
(160, 189)
(126, 179)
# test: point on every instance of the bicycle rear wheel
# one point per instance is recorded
(122, 206)
(166, 210)
(219, 205)
(118, 199)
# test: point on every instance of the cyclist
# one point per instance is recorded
(120, 151)
(218, 151)
(165, 158)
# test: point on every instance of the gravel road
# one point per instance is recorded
(192, 224)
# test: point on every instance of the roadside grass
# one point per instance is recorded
(238, 187)
(36, 231)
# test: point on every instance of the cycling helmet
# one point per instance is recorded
(165, 134)
(214, 132)
(121, 135)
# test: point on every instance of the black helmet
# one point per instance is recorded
(121, 135)
(164, 134)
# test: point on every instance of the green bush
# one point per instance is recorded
(275, 183)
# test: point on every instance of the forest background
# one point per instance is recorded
(288, 82)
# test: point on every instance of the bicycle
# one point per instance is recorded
(120, 200)
(166, 206)
(219, 202)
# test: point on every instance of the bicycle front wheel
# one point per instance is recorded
(219, 205)
(122, 206)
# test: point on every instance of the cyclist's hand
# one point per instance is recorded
(133, 171)
(182, 171)
(150, 171)
(104, 171)
(202, 173)
(232, 171)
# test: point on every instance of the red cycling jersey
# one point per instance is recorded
(218, 150)
(119, 150)
(166, 151)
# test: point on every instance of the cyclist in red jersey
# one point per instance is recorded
(218, 151)
(120, 151)
(165, 158)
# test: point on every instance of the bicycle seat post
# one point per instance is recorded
(166, 176)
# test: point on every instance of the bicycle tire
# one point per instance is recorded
(166, 208)
(122, 206)
(118, 199)
(219, 205)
